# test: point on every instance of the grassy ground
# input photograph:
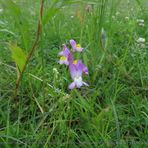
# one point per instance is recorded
(111, 112)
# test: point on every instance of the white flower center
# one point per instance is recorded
(78, 81)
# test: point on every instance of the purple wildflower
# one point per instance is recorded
(75, 46)
(84, 68)
(77, 68)
(65, 51)
(66, 56)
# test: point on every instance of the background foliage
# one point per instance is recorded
(112, 111)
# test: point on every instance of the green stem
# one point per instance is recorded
(31, 50)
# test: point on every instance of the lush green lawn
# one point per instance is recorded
(112, 111)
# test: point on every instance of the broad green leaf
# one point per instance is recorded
(18, 55)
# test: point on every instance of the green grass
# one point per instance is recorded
(111, 112)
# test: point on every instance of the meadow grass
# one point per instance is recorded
(111, 112)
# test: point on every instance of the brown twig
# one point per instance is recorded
(31, 50)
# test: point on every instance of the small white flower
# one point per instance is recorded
(113, 17)
(72, 16)
(117, 13)
(56, 73)
(140, 21)
(141, 40)
(55, 70)
(1, 10)
(127, 18)
(141, 24)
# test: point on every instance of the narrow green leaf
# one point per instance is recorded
(18, 55)
(49, 14)
(85, 59)
(7, 31)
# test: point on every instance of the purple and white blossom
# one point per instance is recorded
(84, 68)
(77, 68)
(75, 46)
(65, 51)
(66, 56)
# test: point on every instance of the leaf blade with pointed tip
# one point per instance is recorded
(18, 55)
